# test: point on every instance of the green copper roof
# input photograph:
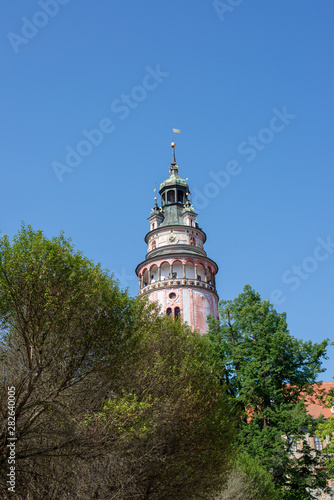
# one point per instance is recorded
(173, 179)
(172, 215)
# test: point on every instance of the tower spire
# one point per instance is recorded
(173, 148)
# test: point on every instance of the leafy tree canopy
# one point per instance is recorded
(111, 399)
(269, 373)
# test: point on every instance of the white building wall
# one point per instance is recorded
(161, 239)
(186, 305)
(161, 299)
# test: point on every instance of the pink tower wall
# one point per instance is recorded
(195, 304)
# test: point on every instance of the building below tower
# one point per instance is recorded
(176, 271)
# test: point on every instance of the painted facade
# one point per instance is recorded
(176, 271)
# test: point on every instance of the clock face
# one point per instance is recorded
(172, 238)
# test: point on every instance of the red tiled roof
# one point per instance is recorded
(315, 407)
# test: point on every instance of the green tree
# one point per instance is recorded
(112, 400)
(248, 481)
(173, 426)
(61, 318)
(325, 431)
(269, 373)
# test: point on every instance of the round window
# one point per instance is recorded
(172, 295)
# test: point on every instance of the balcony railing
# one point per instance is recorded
(172, 282)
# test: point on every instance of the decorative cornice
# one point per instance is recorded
(165, 229)
(178, 282)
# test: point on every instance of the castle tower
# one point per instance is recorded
(176, 271)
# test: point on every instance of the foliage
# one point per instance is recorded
(124, 416)
(259, 482)
(269, 373)
(325, 430)
(112, 400)
(235, 488)
(180, 442)
(248, 480)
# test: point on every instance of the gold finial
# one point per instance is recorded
(155, 198)
(173, 144)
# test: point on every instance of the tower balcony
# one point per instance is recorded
(175, 271)
(176, 282)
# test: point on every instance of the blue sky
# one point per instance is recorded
(90, 92)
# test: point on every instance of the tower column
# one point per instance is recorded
(184, 270)
(171, 270)
(159, 273)
(195, 271)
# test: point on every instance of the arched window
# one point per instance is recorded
(177, 269)
(170, 196)
(192, 240)
(209, 275)
(145, 277)
(154, 244)
(180, 198)
(165, 267)
(154, 273)
(200, 272)
(169, 311)
(190, 270)
(177, 312)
